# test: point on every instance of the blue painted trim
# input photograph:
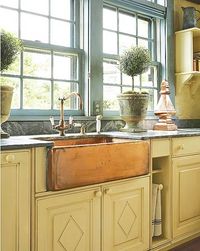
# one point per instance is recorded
(141, 6)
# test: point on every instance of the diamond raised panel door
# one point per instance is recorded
(69, 222)
(186, 199)
(126, 216)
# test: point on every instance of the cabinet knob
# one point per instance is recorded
(180, 147)
(107, 191)
(10, 158)
(98, 194)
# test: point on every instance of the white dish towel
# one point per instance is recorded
(156, 210)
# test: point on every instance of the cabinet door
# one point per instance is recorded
(186, 195)
(69, 222)
(126, 216)
(15, 200)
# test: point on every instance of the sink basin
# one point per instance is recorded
(83, 161)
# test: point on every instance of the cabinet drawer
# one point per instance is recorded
(160, 147)
(185, 146)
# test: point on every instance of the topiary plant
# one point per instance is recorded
(11, 46)
(135, 61)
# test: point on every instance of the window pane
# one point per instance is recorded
(161, 2)
(110, 97)
(63, 89)
(109, 19)
(37, 94)
(14, 82)
(109, 42)
(65, 67)
(143, 43)
(126, 80)
(37, 64)
(143, 28)
(126, 42)
(149, 78)
(61, 33)
(36, 6)
(127, 23)
(9, 24)
(10, 3)
(34, 27)
(61, 10)
(153, 94)
(111, 73)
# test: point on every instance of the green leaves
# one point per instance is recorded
(135, 61)
(11, 46)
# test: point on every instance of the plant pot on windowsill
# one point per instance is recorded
(133, 105)
(10, 47)
(133, 108)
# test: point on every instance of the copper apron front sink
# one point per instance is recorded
(84, 161)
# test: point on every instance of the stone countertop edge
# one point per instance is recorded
(30, 141)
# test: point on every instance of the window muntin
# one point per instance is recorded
(51, 59)
(132, 29)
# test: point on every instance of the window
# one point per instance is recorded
(123, 28)
(50, 65)
(70, 46)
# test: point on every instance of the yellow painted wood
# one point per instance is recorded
(160, 147)
(183, 56)
(185, 146)
(126, 216)
(164, 178)
(187, 97)
(69, 222)
(15, 200)
(178, 13)
(40, 169)
(186, 199)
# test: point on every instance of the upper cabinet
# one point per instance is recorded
(187, 44)
(187, 48)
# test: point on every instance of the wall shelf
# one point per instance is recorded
(187, 86)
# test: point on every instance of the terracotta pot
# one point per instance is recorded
(6, 99)
(133, 109)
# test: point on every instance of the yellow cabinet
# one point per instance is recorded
(104, 218)
(69, 221)
(126, 216)
(15, 200)
(186, 198)
(187, 43)
(186, 187)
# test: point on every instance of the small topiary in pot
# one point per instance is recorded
(133, 105)
(11, 46)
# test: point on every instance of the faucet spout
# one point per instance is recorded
(78, 95)
(62, 126)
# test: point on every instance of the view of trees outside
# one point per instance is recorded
(41, 76)
(40, 83)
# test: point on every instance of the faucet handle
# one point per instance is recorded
(52, 121)
(71, 120)
(83, 128)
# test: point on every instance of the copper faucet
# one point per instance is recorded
(63, 126)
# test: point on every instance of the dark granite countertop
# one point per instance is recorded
(21, 142)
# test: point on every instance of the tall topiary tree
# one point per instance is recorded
(135, 61)
(11, 46)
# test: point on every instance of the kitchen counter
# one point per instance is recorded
(37, 141)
